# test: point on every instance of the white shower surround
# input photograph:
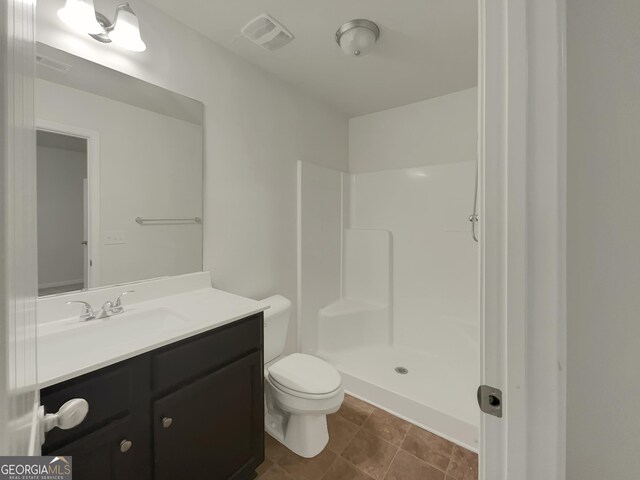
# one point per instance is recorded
(388, 272)
(389, 277)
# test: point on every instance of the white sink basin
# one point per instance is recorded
(125, 327)
(69, 348)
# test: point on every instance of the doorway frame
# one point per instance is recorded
(522, 155)
(523, 160)
(19, 394)
(92, 138)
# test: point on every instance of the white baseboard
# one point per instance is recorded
(61, 283)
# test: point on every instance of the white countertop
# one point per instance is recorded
(68, 348)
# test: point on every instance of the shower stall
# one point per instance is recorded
(388, 269)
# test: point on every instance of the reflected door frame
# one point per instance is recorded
(93, 198)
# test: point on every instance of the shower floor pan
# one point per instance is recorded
(435, 393)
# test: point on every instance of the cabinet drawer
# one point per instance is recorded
(194, 357)
(108, 391)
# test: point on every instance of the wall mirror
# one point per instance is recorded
(120, 177)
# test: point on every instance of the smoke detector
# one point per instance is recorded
(267, 32)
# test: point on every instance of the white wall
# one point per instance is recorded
(257, 128)
(438, 130)
(150, 165)
(603, 380)
(60, 216)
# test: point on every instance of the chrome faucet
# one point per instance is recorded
(108, 309)
(87, 312)
(117, 306)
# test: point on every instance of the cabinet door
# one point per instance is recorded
(212, 428)
(102, 455)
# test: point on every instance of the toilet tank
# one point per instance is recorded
(276, 324)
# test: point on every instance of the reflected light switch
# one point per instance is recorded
(114, 237)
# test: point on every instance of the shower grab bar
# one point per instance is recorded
(142, 221)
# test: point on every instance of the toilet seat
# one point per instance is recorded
(305, 376)
(294, 393)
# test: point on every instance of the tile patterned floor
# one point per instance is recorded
(366, 443)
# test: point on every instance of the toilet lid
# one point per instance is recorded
(305, 374)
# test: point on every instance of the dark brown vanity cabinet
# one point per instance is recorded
(211, 425)
(190, 410)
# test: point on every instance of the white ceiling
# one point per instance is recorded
(427, 48)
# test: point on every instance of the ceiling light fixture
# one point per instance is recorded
(357, 37)
(124, 31)
(80, 15)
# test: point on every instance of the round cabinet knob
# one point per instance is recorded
(125, 445)
(167, 421)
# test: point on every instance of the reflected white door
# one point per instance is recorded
(85, 242)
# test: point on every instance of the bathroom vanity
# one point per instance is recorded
(175, 401)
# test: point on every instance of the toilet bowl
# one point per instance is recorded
(300, 389)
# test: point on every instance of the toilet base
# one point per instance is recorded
(299, 422)
(304, 435)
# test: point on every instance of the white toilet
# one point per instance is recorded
(300, 389)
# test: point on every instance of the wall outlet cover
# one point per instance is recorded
(114, 237)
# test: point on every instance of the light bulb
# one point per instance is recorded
(80, 15)
(126, 30)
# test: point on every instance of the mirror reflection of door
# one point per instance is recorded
(62, 213)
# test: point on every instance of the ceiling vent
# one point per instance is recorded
(267, 32)
(52, 64)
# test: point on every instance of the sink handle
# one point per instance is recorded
(118, 302)
(87, 310)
